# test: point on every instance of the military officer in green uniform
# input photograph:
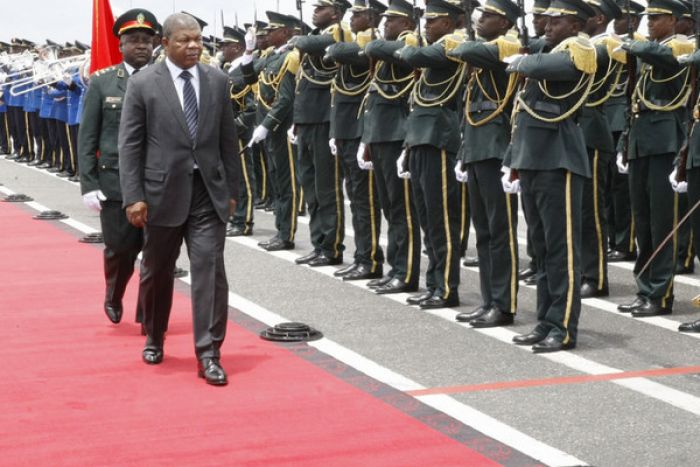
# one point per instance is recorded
(385, 113)
(244, 111)
(348, 93)
(99, 176)
(275, 76)
(601, 150)
(549, 151)
(658, 108)
(485, 138)
(319, 171)
(432, 142)
(619, 213)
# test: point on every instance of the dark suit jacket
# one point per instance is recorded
(157, 154)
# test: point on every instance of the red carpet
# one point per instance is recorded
(73, 389)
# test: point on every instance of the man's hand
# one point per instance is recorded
(510, 187)
(333, 147)
(361, 156)
(250, 40)
(401, 169)
(292, 135)
(461, 175)
(259, 134)
(676, 186)
(622, 167)
(231, 207)
(137, 214)
(92, 200)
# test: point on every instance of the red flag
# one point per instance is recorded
(104, 51)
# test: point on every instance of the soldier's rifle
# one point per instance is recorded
(524, 50)
(692, 102)
(468, 6)
(631, 84)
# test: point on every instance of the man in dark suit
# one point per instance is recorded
(99, 177)
(179, 179)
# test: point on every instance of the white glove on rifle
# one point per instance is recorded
(259, 134)
(250, 39)
(462, 176)
(400, 164)
(291, 135)
(509, 186)
(678, 187)
(92, 199)
(361, 162)
(621, 166)
(333, 147)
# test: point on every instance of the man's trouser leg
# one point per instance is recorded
(283, 161)
(594, 235)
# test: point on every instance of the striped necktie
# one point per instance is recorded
(189, 103)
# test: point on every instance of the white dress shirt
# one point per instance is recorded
(180, 83)
(130, 69)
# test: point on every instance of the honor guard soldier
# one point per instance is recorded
(244, 111)
(619, 212)
(99, 177)
(275, 76)
(549, 151)
(539, 19)
(485, 138)
(319, 171)
(348, 94)
(385, 112)
(432, 142)
(601, 150)
(658, 108)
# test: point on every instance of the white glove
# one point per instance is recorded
(406, 175)
(259, 134)
(67, 79)
(462, 176)
(361, 162)
(678, 187)
(333, 147)
(291, 135)
(509, 186)
(92, 199)
(250, 39)
(621, 166)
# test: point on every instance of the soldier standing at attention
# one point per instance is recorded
(658, 108)
(318, 169)
(275, 76)
(485, 138)
(385, 114)
(549, 151)
(348, 95)
(432, 142)
(99, 178)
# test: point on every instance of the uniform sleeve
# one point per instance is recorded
(89, 138)
(283, 105)
(656, 55)
(432, 56)
(348, 53)
(132, 141)
(547, 66)
(249, 73)
(228, 145)
(314, 45)
(384, 50)
(478, 54)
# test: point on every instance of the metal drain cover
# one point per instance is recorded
(291, 332)
(50, 215)
(94, 237)
(17, 198)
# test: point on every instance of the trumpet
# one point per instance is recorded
(49, 73)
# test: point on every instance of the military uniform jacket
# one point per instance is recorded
(348, 90)
(658, 104)
(539, 144)
(386, 109)
(488, 101)
(243, 102)
(99, 131)
(694, 136)
(312, 101)
(434, 116)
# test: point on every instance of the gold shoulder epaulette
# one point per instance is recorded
(581, 51)
(291, 61)
(451, 42)
(409, 38)
(364, 37)
(339, 33)
(680, 45)
(612, 44)
(508, 44)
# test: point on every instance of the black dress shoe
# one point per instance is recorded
(152, 351)
(65, 174)
(12, 156)
(306, 258)
(527, 272)
(532, 280)
(264, 243)
(589, 290)
(54, 170)
(693, 326)
(627, 308)
(260, 204)
(323, 260)
(551, 344)
(238, 231)
(529, 339)
(23, 160)
(35, 162)
(44, 165)
(114, 312)
(211, 370)
(493, 318)
(374, 283)
(681, 269)
(438, 302)
(395, 285)
(650, 309)
(278, 245)
(416, 299)
(470, 315)
(342, 271)
(471, 261)
(363, 272)
(617, 256)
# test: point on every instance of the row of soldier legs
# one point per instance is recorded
(45, 142)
